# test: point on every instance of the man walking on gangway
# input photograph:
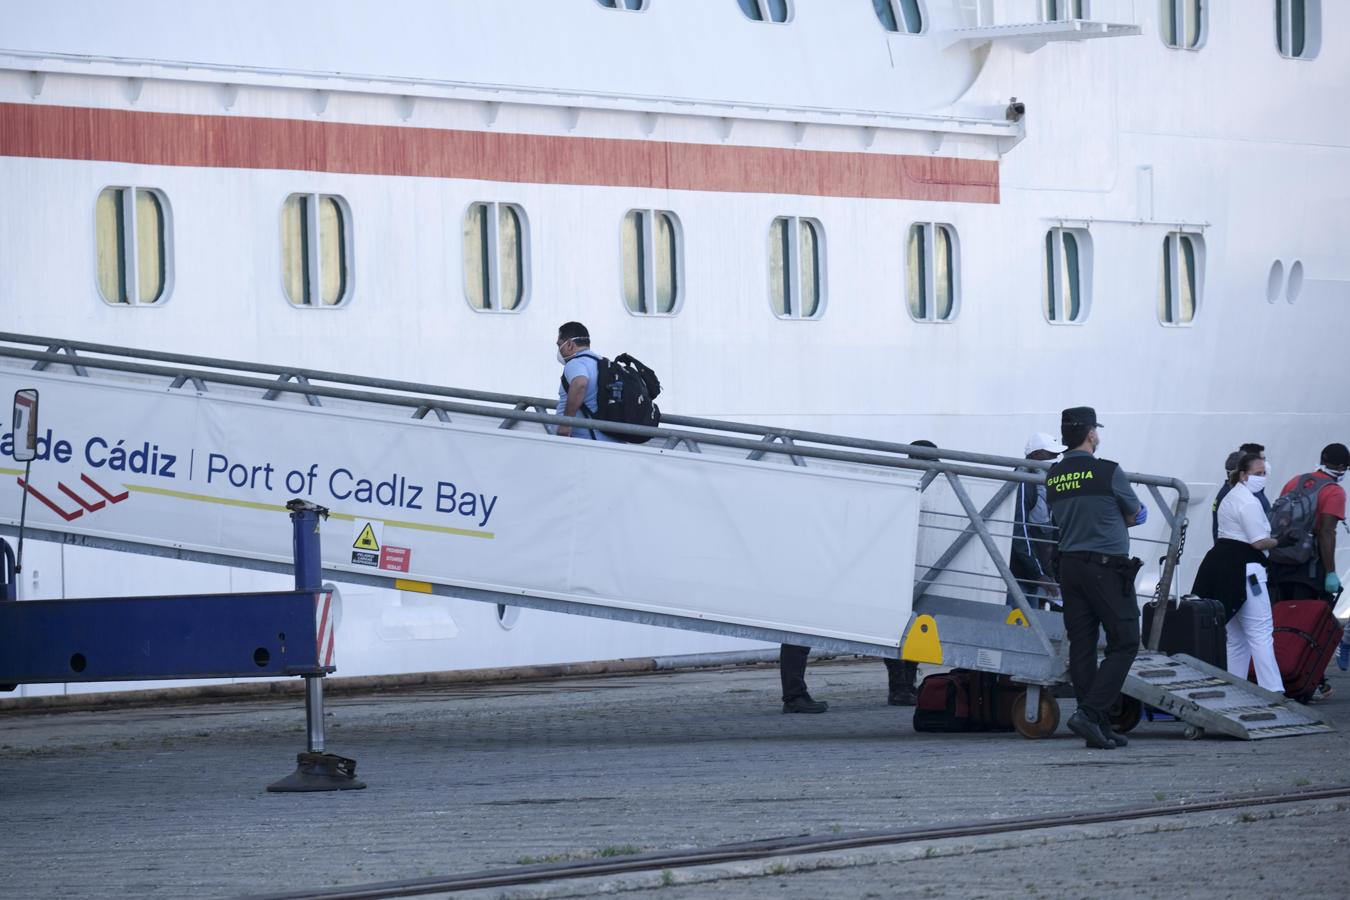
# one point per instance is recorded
(579, 389)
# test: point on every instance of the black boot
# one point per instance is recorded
(900, 677)
(804, 704)
(1085, 725)
(903, 696)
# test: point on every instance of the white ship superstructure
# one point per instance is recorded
(898, 219)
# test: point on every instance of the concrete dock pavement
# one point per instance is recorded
(169, 801)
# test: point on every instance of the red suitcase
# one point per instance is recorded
(1306, 637)
(963, 700)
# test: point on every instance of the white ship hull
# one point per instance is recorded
(1125, 140)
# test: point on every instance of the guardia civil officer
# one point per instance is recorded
(1094, 506)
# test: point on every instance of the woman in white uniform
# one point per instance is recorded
(1234, 572)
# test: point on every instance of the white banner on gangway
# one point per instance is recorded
(806, 550)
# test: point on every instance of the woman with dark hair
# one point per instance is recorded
(1234, 573)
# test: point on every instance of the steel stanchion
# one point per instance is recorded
(316, 770)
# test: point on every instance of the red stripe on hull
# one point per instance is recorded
(172, 139)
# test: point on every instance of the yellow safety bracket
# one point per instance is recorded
(921, 644)
(1017, 618)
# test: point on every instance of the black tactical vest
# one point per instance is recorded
(1079, 476)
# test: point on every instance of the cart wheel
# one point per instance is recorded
(1047, 719)
(1193, 733)
(1125, 713)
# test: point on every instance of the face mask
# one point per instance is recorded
(1335, 476)
(1255, 483)
(561, 360)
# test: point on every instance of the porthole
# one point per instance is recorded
(1274, 281)
(507, 616)
(1295, 285)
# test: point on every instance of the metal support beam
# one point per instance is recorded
(1175, 547)
(1014, 589)
(68, 350)
(1168, 516)
(314, 713)
(9, 576)
(181, 380)
(423, 411)
(315, 769)
(954, 549)
(786, 441)
(152, 638)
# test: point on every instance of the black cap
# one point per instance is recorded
(1082, 416)
(1335, 455)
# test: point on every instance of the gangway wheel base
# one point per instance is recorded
(319, 772)
(1047, 716)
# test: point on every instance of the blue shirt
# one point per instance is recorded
(583, 365)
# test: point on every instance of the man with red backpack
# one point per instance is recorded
(1304, 565)
(1304, 520)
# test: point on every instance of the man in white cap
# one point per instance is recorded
(1033, 536)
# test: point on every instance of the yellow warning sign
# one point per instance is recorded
(366, 540)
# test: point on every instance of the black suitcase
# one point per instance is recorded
(1195, 626)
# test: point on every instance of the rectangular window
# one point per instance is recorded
(900, 16)
(1183, 23)
(779, 254)
(932, 274)
(1298, 28)
(496, 257)
(1182, 278)
(808, 258)
(650, 246)
(917, 272)
(131, 241)
(315, 250)
(767, 10)
(796, 266)
(1067, 275)
(1064, 10)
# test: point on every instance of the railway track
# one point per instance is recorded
(774, 847)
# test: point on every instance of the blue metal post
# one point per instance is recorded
(9, 577)
(315, 769)
(9, 584)
(305, 518)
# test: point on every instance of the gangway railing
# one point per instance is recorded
(689, 433)
(979, 485)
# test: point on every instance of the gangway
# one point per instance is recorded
(735, 529)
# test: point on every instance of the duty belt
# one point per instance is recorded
(1101, 559)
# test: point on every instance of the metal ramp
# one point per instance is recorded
(178, 407)
(206, 451)
(236, 419)
(1209, 699)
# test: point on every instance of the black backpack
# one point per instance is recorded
(625, 394)
(1291, 521)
